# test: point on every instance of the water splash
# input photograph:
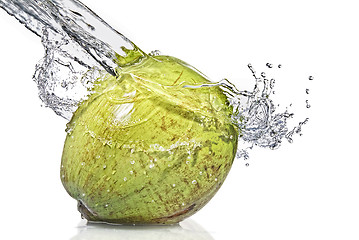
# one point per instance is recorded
(80, 47)
(257, 117)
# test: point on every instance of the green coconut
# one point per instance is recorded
(146, 149)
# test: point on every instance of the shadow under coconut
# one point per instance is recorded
(186, 230)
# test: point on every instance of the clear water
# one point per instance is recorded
(79, 46)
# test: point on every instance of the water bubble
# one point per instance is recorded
(187, 162)
(311, 78)
(194, 182)
(131, 172)
(132, 162)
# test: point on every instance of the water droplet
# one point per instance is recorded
(200, 173)
(173, 185)
(108, 190)
(104, 166)
(155, 53)
(183, 204)
(83, 163)
(132, 150)
(132, 162)
(215, 179)
(62, 166)
(307, 91)
(63, 176)
(98, 156)
(269, 65)
(131, 172)
(106, 205)
(125, 179)
(151, 165)
(263, 74)
(271, 83)
(279, 65)
(247, 164)
(153, 201)
(83, 194)
(187, 162)
(194, 182)
(307, 104)
(311, 78)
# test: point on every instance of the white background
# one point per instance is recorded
(304, 190)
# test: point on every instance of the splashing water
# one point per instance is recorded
(80, 47)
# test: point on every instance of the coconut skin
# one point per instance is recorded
(144, 149)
